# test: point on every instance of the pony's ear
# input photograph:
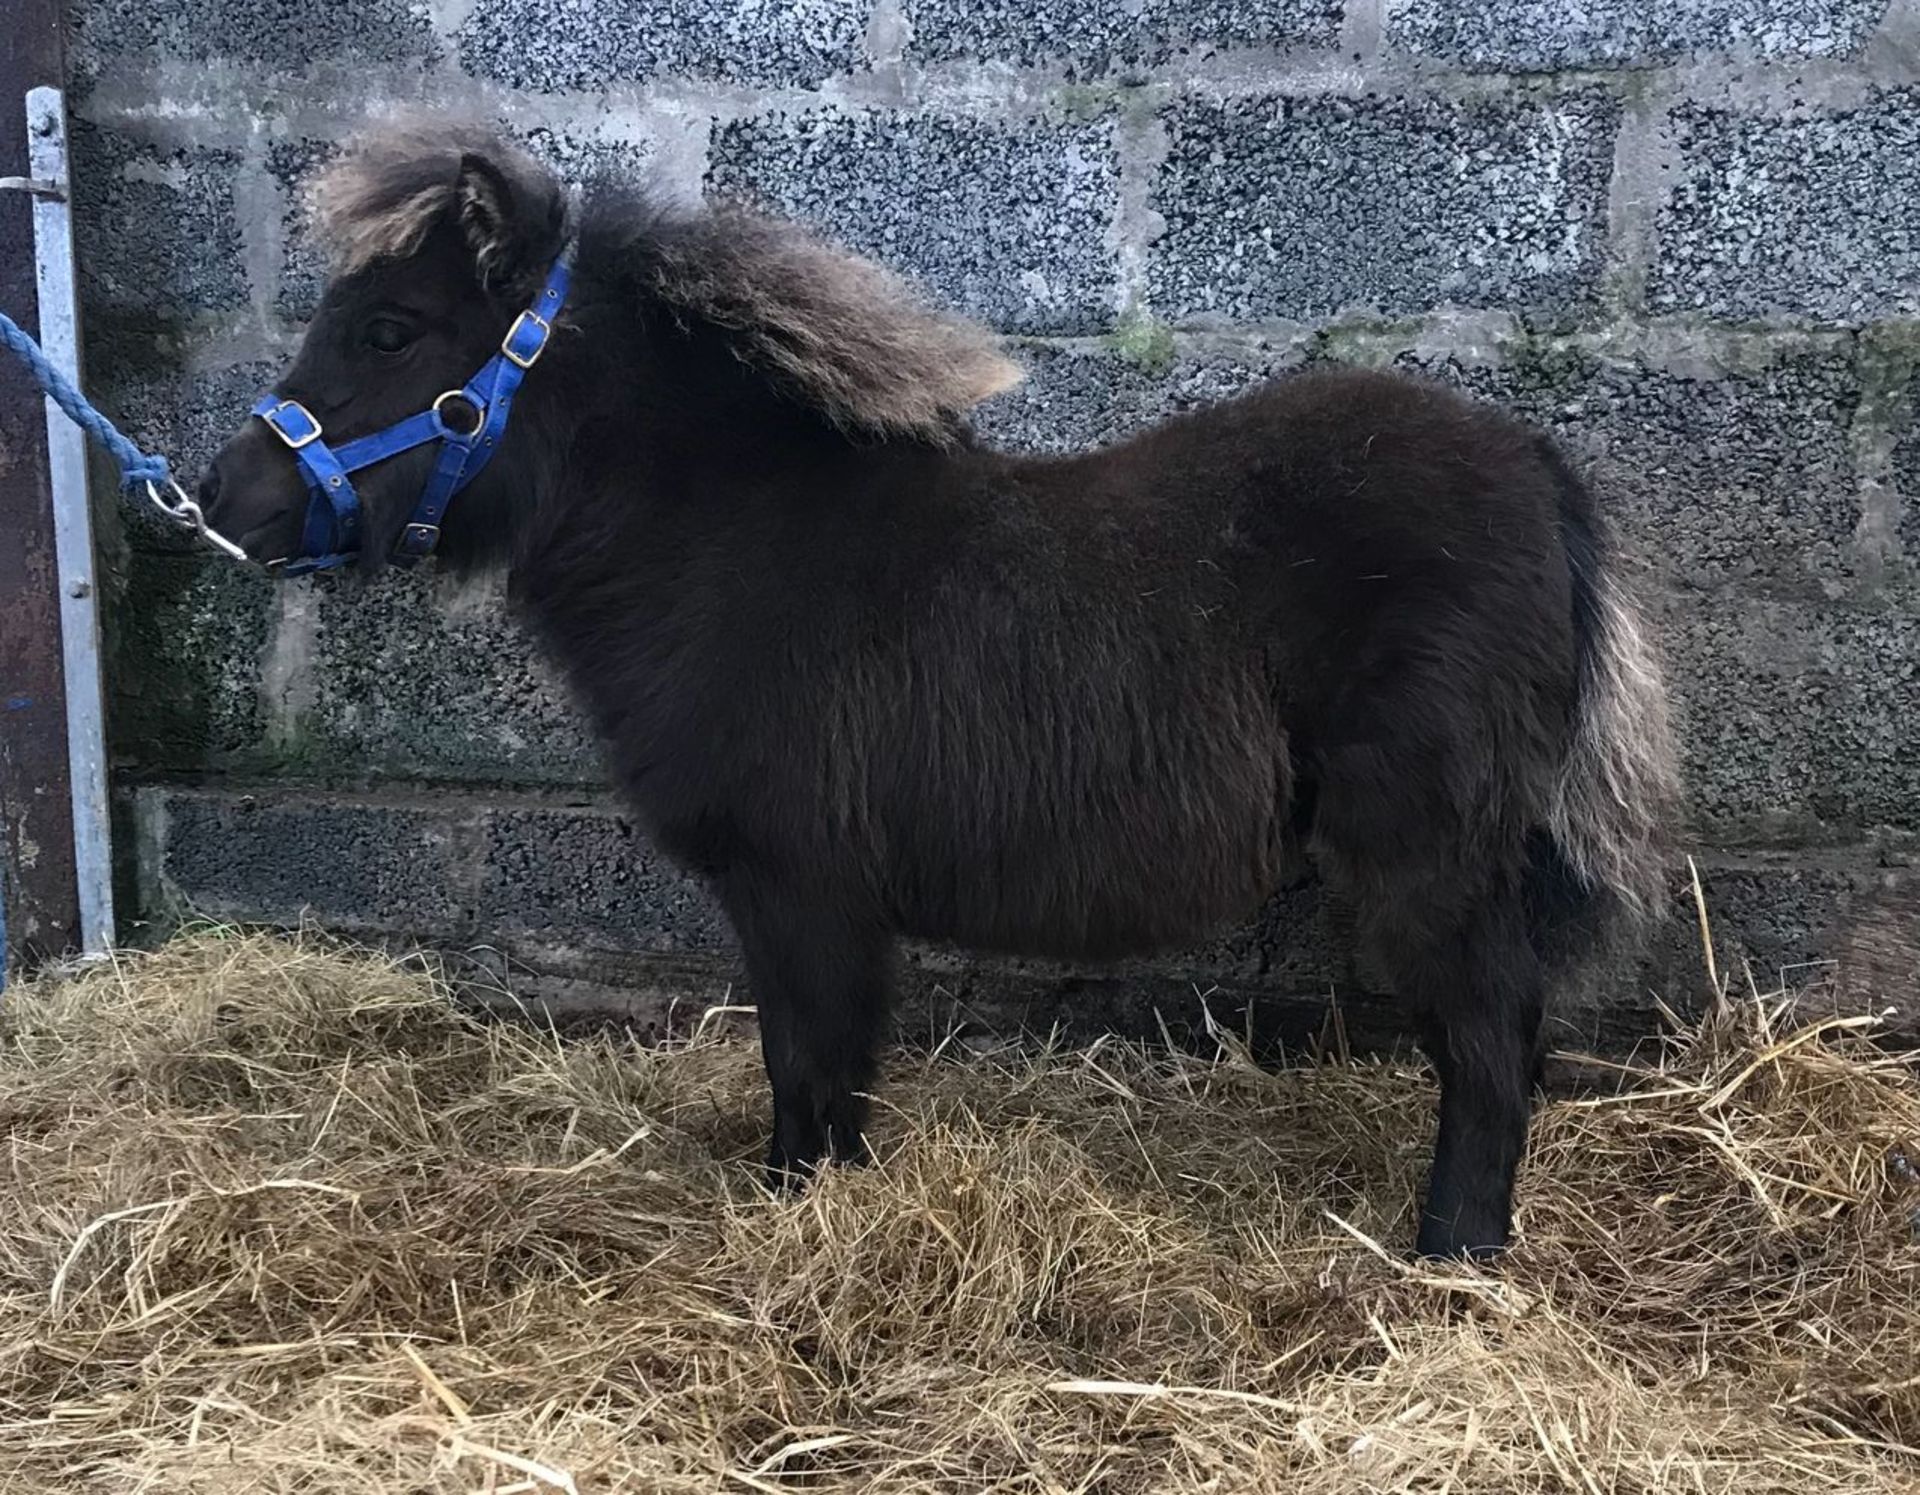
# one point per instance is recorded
(512, 220)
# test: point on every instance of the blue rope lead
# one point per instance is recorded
(136, 466)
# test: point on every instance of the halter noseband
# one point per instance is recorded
(332, 534)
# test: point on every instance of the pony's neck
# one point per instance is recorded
(688, 496)
(662, 444)
(683, 396)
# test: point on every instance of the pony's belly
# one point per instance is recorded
(1101, 903)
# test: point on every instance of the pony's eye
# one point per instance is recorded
(385, 335)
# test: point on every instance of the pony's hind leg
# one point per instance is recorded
(1478, 987)
(820, 979)
(1405, 831)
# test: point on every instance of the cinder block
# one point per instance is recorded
(185, 418)
(276, 858)
(1522, 35)
(1720, 477)
(1796, 721)
(1869, 747)
(1073, 400)
(303, 270)
(158, 245)
(281, 37)
(1299, 208)
(1008, 222)
(409, 678)
(1301, 942)
(184, 637)
(1809, 216)
(1094, 36)
(1820, 927)
(1906, 476)
(568, 46)
(584, 157)
(588, 877)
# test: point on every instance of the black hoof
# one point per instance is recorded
(798, 1150)
(1443, 1241)
(851, 1150)
(788, 1173)
(1478, 1255)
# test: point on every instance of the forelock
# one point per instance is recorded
(382, 197)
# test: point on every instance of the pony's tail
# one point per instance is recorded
(1619, 788)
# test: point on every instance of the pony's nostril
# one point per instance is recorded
(208, 493)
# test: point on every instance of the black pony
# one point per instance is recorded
(871, 679)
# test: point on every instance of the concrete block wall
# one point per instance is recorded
(1685, 236)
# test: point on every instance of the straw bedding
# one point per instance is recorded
(281, 1218)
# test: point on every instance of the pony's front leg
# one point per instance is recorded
(820, 977)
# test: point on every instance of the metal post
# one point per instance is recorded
(36, 798)
(72, 520)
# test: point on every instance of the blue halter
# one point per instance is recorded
(332, 534)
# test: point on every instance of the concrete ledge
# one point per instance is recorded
(564, 903)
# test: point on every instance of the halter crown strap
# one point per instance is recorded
(331, 536)
(490, 392)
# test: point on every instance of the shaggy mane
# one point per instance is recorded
(838, 332)
(843, 333)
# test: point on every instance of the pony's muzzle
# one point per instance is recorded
(251, 493)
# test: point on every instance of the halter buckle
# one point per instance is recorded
(305, 436)
(417, 540)
(512, 344)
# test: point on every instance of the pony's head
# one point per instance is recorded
(437, 241)
(443, 243)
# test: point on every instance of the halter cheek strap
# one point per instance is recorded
(469, 423)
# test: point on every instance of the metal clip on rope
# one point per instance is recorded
(136, 466)
(183, 510)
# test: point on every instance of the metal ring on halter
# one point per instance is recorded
(186, 511)
(479, 413)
